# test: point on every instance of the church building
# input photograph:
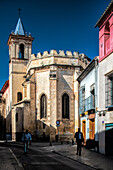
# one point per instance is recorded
(43, 90)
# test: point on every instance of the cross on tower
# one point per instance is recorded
(19, 11)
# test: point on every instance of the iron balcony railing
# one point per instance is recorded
(88, 104)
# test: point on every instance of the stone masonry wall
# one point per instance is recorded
(42, 87)
(17, 71)
(65, 85)
(53, 102)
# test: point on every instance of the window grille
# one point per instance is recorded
(109, 90)
(82, 100)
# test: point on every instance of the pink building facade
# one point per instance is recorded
(105, 24)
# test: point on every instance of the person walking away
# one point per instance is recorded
(79, 140)
(27, 139)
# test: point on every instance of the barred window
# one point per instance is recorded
(109, 90)
(65, 106)
(92, 91)
(82, 100)
(43, 106)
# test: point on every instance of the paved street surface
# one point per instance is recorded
(7, 161)
(41, 156)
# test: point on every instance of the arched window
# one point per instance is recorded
(19, 96)
(107, 38)
(65, 106)
(21, 51)
(43, 106)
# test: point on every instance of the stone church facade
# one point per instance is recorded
(43, 88)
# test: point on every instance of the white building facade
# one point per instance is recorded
(88, 103)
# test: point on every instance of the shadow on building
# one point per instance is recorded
(2, 127)
(105, 143)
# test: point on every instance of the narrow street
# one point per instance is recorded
(39, 158)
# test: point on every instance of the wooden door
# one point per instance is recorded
(84, 130)
(92, 129)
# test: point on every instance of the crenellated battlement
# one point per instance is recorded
(61, 53)
(58, 58)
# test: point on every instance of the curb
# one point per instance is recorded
(75, 160)
(16, 159)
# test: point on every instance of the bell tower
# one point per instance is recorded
(20, 48)
(20, 45)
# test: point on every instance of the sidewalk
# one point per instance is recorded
(90, 158)
(7, 160)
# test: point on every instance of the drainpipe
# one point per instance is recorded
(96, 96)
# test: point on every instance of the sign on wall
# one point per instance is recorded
(102, 122)
(58, 123)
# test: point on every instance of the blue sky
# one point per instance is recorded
(55, 24)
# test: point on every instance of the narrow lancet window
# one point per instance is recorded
(65, 106)
(43, 106)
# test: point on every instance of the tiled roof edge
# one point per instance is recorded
(104, 13)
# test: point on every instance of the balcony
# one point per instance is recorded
(90, 103)
(87, 105)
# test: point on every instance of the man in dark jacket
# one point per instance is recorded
(79, 140)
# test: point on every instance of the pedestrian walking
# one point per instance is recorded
(27, 140)
(79, 140)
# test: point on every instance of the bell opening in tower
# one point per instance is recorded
(21, 51)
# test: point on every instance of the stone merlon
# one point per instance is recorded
(58, 58)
